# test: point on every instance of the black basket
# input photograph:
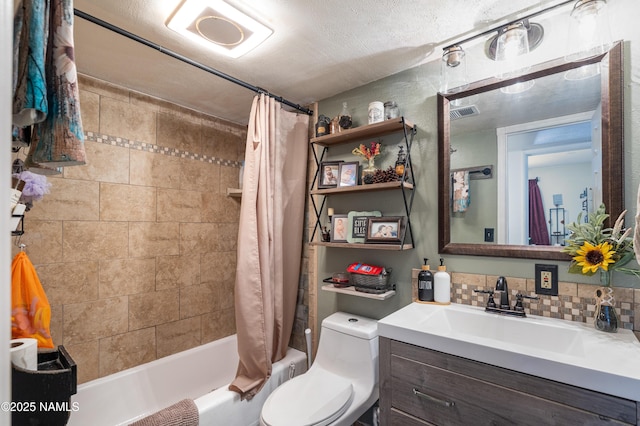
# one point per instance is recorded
(376, 284)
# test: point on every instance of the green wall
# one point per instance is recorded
(415, 92)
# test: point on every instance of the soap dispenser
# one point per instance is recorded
(425, 283)
(442, 284)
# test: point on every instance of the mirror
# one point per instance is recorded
(517, 131)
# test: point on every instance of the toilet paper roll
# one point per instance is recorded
(24, 353)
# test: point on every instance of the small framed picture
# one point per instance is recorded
(339, 228)
(329, 172)
(348, 173)
(388, 229)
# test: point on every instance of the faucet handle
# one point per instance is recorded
(490, 302)
(518, 306)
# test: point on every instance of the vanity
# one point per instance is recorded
(460, 365)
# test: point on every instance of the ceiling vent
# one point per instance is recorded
(462, 112)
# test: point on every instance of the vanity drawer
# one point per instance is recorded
(449, 390)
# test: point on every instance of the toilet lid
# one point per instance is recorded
(316, 398)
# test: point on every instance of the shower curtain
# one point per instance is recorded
(269, 240)
(538, 231)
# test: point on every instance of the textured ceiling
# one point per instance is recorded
(319, 48)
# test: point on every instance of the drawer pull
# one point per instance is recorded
(433, 399)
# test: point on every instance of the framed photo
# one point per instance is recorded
(329, 172)
(388, 229)
(348, 173)
(358, 225)
(339, 228)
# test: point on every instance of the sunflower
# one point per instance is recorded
(592, 257)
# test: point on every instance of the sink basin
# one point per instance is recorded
(564, 351)
(500, 330)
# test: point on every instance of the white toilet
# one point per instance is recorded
(341, 384)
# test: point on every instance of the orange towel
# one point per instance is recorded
(30, 310)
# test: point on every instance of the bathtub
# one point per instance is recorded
(202, 374)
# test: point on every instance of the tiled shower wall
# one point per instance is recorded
(136, 250)
(575, 302)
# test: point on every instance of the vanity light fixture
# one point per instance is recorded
(589, 30)
(218, 26)
(453, 70)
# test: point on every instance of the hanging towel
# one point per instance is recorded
(461, 198)
(30, 310)
(30, 34)
(59, 140)
(182, 413)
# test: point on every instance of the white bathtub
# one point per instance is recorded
(202, 373)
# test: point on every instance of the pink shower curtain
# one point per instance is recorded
(269, 239)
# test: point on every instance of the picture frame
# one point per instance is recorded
(339, 228)
(329, 173)
(386, 229)
(348, 173)
(358, 225)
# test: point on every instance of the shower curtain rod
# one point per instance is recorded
(184, 59)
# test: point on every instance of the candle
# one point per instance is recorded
(330, 211)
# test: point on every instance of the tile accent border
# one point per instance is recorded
(157, 149)
(575, 302)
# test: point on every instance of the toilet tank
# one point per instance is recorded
(348, 345)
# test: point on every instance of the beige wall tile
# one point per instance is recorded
(219, 324)
(150, 169)
(178, 336)
(227, 236)
(43, 239)
(94, 240)
(87, 358)
(200, 176)
(472, 280)
(149, 309)
(93, 320)
(127, 203)
(179, 133)
(105, 163)
(176, 205)
(69, 282)
(177, 271)
(147, 239)
(69, 199)
(229, 178)
(127, 350)
(127, 121)
(219, 143)
(126, 276)
(102, 88)
(197, 300)
(218, 266)
(197, 238)
(220, 208)
(56, 325)
(90, 109)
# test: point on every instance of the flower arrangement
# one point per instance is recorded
(369, 152)
(595, 248)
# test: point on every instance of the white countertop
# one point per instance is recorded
(564, 351)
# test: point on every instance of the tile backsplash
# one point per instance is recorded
(575, 302)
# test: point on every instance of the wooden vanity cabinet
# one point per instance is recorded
(420, 386)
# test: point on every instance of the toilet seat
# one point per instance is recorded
(316, 398)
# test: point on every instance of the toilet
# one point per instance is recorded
(341, 384)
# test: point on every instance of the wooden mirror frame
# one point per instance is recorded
(612, 80)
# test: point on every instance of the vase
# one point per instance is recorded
(370, 170)
(606, 317)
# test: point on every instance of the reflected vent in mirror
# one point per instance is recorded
(462, 112)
